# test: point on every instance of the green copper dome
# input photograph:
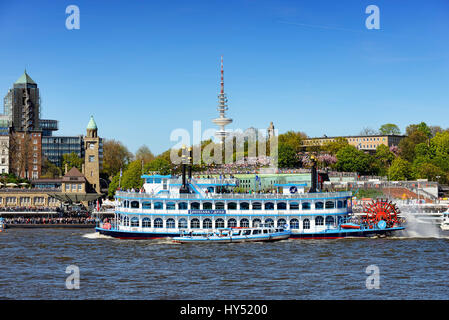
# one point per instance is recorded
(92, 125)
(25, 78)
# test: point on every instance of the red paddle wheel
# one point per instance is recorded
(381, 209)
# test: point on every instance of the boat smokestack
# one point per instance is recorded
(183, 188)
(313, 187)
(190, 162)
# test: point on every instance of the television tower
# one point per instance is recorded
(222, 121)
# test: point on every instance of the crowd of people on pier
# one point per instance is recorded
(29, 209)
(51, 220)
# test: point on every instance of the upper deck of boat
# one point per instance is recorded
(233, 196)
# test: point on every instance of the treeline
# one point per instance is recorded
(422, 154)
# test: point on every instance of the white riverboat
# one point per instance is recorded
(167, 205)
(260, 233)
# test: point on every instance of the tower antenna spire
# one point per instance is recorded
(222, 121)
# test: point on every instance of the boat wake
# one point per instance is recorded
(96, 235)
(417, 228)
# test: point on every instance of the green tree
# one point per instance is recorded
(287, 156)
(132, 176)
(292, 139)
(400, 170)
(115, 157)
(334, 146)
(384, 157)
(349, 159)
(72, 160)
(389, 129)
(50, 170)
(408, 144)
(144, 153)
(160, 165)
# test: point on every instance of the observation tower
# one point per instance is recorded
(222, 121)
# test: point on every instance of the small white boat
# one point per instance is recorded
(445, 223)
(261, 233)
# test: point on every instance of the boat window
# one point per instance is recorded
(257, 206)
(244, 223)
(330, 205)
(306, 206)
(329, 221)
(256, 231)
(256, 222)
(195, 224)
(339, 204)
(345, 204)
(294, 205)
(134, 222)
(232, 206)
(244, 206)
(126, 221)
(269, 222)
(265, 230)
(282, 206)
(281, 222)
(236, 233)
(135, 204)
(182, 206)
(246, 232)
(158, 205)
(269, 206)
(171, 223)
(207, 205)
(146, 223)
(182, 223)
(207, 223)
(219, 205)
(232, 223)
(195, 205)
(146, 205)
(219, 223)
(170, 205)
(319, 205)
(294, 224)
(319, 221)
(306, 224)
(158, 223)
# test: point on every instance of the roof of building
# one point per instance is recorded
(25, 78)
(91, 124)
(74, 175)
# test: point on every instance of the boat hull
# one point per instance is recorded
(327, 234)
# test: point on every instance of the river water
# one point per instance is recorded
(33, 265)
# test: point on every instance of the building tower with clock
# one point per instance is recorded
(93, 155)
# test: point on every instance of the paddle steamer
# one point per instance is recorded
(166, 205)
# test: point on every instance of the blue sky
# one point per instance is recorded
(145, 68)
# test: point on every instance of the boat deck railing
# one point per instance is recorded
(230, 196)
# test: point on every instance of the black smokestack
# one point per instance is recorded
(183, 188)
(314, 176)
(190, 161)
